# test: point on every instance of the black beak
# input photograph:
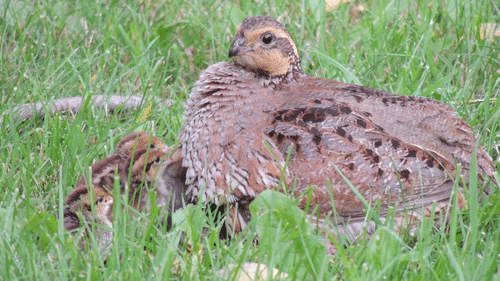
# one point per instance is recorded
(238, 47)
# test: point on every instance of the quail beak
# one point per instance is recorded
(243, 54)
(238, 47)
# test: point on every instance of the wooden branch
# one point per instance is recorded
(74, 104)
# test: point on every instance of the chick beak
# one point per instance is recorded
(238, 47)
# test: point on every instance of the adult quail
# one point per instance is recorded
(396, 150)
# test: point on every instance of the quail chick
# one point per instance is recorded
(136, 175)
(79, 206)
(103, 170)
(136, 141)
(144, 170)
(173, 182)
(400, 150)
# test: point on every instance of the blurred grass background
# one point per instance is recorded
(447, 50)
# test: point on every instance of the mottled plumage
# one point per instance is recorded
(136, 141)
(79, 204)
(144, 172)
(102, 172)
(401, 150)
(136, 175)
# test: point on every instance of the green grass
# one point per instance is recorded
(54, 49)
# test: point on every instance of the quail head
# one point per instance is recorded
(96, 209)
(144, 171)
(400, 151)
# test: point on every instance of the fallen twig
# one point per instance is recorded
(74, 104)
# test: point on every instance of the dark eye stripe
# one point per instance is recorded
(148, 166)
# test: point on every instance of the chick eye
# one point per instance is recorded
(100, 200)
(157, 160)
(267, 38)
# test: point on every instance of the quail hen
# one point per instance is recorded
(402, 151)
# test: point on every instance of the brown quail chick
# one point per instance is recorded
(173, 183)
(401, 150)
(136, 176)
(146, 169)
(103, 170)
(154, 170)
(139, 173)
(79, 206)
(136, 141)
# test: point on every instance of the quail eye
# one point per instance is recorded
(100, 200)
(267, 38)
(157, 160)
